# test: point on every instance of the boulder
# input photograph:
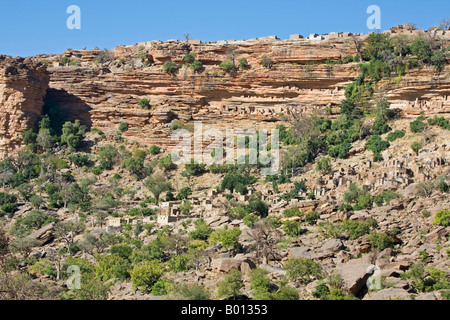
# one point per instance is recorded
(389, 294)
(44, 234)
(437, 233)
(247, 265)
(354, 274)
(301, 252)
(332, 245)
(237, 263)
(426, 296)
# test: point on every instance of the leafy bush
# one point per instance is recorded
(250, 220)
(154, 150)
(176, 124)
(123, 126)
(171, 67)
(34, 220)
(227, 238)
(443, 186)
(123, 250)
(243, 63)
(79, 160)
(324, 165)
(235, 181)
(107, 156)
(180, 263)
(195, 169)
(73, 134)
(231, 285)
(340, 151)
(185, 208)
(258, 206)
(292, 228)
(291, 212)
(196, 66)
(312, 217)
(421, 49)
(144, 103)
(356, 229)
(160, 288)
(189, 58)
(439, 59)
(227, 66)
(416, 146)
(395, 135)
(259, 280)
(442, 218)
(380, 126)
(145, 274)
(376, 144)
(201, 232)
(112, 266)
(193, 292)
(380, 240)
(385, 197)
(440, 121)
(427, 279)
(417, 125)
(184, 193)
(166, 163)
(265, 61)
(303, 270)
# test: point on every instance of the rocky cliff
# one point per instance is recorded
(23, 85)
(105, 93)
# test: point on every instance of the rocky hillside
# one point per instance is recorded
(358, 210)
(305, 75)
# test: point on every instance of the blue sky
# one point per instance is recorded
(29, 27)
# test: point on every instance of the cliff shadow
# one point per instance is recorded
(63, 106)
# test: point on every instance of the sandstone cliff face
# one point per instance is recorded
(104, 94)
(23, 85)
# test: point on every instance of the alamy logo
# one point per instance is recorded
(74, 21)
(374, 21)
(374, 281)
(74, 281)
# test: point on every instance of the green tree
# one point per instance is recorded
(227, 66)
(171, 67)
(303, 270)
(265, 61)
(324, 165)
(202, 231)
(123, 126)
(416, 146)
(421, 48)
(145, 274)
(231, 285)
(189, 58)
(243, 63)
(229, 239)
(292, 228)
(157, 184)
(73, 134)
(442, 218)
(380, 240)
(144, 103)
(154, 150)
(112, 266)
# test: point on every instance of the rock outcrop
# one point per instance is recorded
(102, 88)
(23, 85)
